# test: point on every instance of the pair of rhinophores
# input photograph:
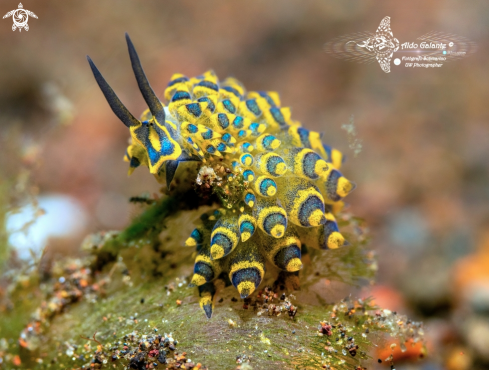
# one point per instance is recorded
(279, 185)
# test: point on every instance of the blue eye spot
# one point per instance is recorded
(223, 120)
(178, 80)
(233, 91)
(226, 137)
(210, 105)
(253, 107)
(209, 85)
(229, 106)
(192, 129)
(278, 116)
(180, 95)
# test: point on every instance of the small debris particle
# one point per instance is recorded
(264, 339)
(325, 328)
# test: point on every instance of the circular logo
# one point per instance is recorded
(450, 44)
(397, 61)
(20, 17)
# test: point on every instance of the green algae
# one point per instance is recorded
(143, 289)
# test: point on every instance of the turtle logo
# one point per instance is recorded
(20, 17)
(383, 44)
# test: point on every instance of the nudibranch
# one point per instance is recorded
(279, 185)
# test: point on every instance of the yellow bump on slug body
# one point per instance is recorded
(248, 175)
(211, 149)
(294, 264)
(249, 198)
(246, 160)
(272, 97)
(267, 142)
(305, 138)
(205, 299)
(231, 93)
(206, 133)
(177, 82)
(247, 225)
(332, 155)
(253, 108)
(270, 164)
(228, 122)
(219, 146)
(246, 268)
(225, 236)
(197, 280)
(245, 147)
(207, 87)
(230, 106)
(302, 200)
(270, 217)
(277, 118)
(228, 138)
(190, 129)
(257, 128)
(284, 252)
(237, 87)
(335, 186)
(207, 294)
(344, 187)
(265, 186)
(179, 98)
(326, 236)
(193, 112)
(205, 268)
(195, 147)
(196, 238)
(244, 134)
(337, 158)
(305, 163)
(239, 126)
(210, 74)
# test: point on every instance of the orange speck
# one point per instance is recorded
(16, 360)
(179, 302)
(105, 318)
(413, 350)
(22, 343)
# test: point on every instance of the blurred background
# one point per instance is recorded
(422, 175)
